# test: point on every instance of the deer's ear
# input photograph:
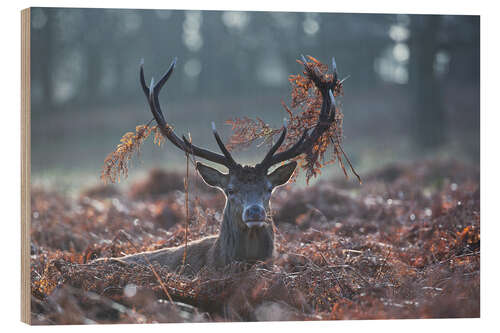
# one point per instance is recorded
(212, 176)
(282, 174)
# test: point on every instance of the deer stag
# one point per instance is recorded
(247, 233)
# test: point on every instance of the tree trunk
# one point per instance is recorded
(430, 126)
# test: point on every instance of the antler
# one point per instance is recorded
(184, 144)
(325, 119)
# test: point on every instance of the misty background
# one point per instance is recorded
(412, 91)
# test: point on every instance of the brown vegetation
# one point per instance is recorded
(404, 245)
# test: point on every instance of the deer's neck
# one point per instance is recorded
(236, 242)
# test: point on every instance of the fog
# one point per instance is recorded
(412, 90)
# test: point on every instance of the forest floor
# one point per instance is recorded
(405, 244)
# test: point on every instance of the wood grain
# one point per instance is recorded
(25, 166)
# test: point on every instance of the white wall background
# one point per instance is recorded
(490, 120)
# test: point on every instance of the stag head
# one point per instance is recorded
(248, 188)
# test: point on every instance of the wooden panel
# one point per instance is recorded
(25, 167)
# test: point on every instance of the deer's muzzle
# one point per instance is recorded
(254, 216)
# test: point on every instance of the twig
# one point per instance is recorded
(354, 270)
(334, 276)
(186, 206)
(469, 254)
(383, 265)
(352, 251)
(163, 287)
(460, 256)
(339, 146)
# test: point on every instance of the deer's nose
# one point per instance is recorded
(254, 213)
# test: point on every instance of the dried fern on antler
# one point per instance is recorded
(116, 163)
(311, 153)
(306, 97)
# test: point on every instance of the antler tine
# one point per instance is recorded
(165, 77)
(157, 114)
(325, 119)
(222, 147)
(293, 151)
(334, 69)
(151, 93)
(145, 88)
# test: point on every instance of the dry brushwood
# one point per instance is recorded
(407, 249)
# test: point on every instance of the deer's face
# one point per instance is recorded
(248, 190)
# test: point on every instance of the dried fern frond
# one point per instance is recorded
(246, 131)
(116, 163)
(308, 100)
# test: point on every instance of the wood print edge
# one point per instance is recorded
(25, 167)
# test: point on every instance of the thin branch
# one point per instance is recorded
(186, 206)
